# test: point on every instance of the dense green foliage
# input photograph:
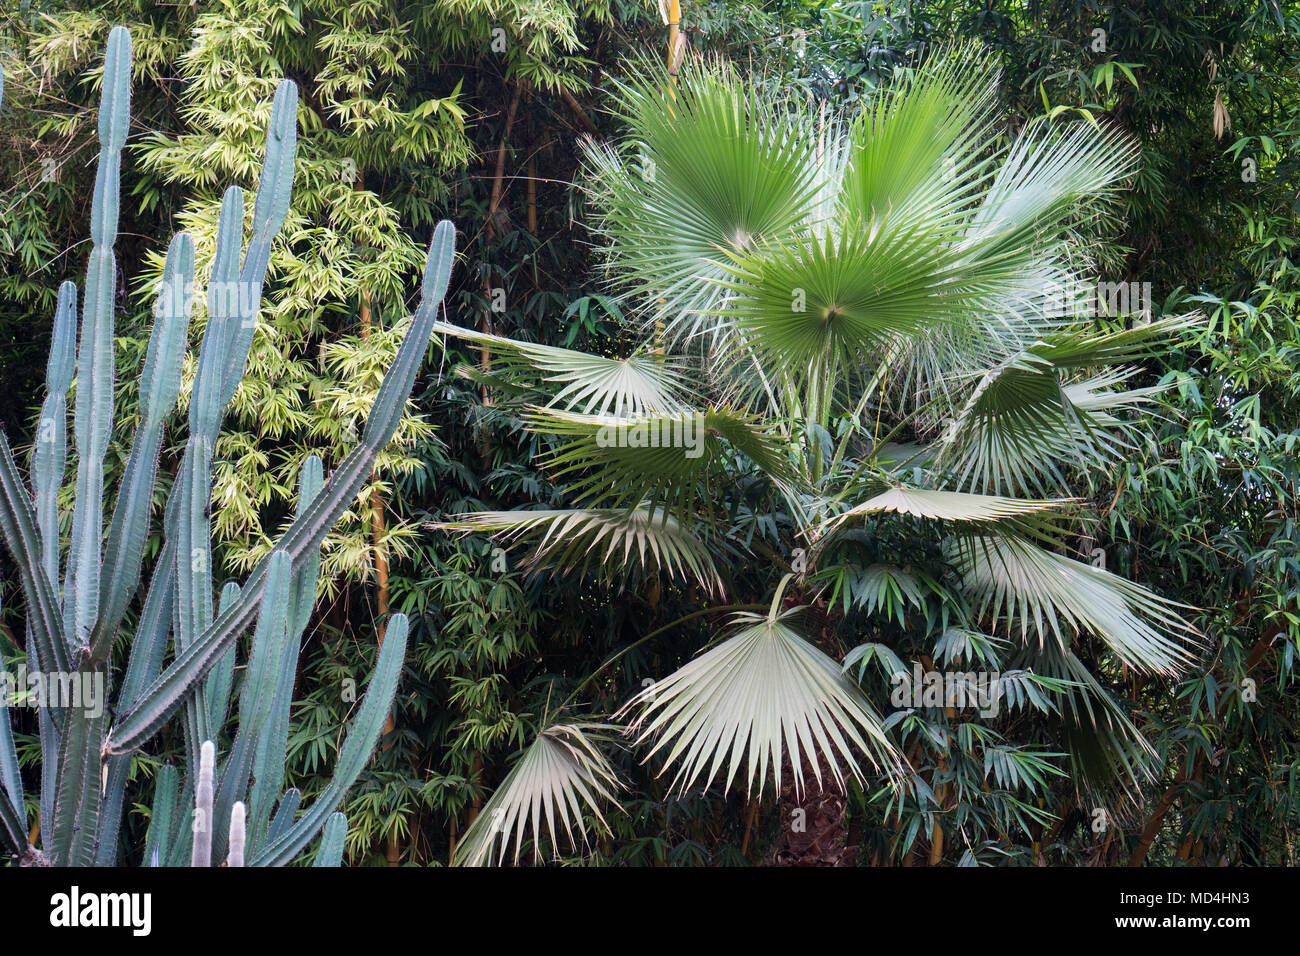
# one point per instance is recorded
(477, 110)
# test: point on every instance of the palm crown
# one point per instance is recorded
(854, 329)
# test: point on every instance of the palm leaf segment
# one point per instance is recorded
(1053, 597)
(1022, 420)
(696, 181)
(607, 540)
(590, 384)
(662, 457)
(939, 505)
(560, 780)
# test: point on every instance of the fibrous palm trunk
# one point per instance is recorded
(814, 824)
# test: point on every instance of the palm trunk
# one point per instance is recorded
(821, 838)
(750, 817)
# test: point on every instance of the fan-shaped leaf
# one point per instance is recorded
(1054, 595)
(610, 540)
(762, 696)
(562, 773)
(637, 385)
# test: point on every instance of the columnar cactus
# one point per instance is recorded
(71, 630)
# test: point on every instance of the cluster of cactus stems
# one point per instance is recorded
(238, 813)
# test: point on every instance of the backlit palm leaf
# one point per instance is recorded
(1055, 596)
(715, 166)
(591, 384)
(937, 505)
(1047, 181)
(561, 775)
(612, 541)
(1047, 185)
(762, 696)
(826, 302)
(931, 121)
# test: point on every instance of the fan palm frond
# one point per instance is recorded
(611, 541)
(562, 774)
(763, 696)
(1048, 181)
(1031, 588)
(592, 384)
(937, 505)
(932, 369)
(718, 165)
(880, 587)
(659, 457)
(890, 664)
(917, 151)
(1021, 422)
(803, 305)
(958, 645)
(1046, 186)
(808, 306)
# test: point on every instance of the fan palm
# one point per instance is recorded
(825, 287)
(559, 774)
